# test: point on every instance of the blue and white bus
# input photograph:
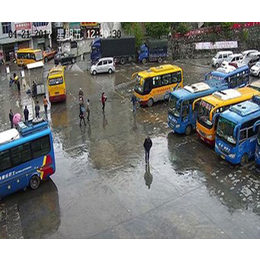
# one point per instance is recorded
(26, 156)
(181, 117)
(237, 130)
(234, 77)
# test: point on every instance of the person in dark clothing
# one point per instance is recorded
(34, 89)
(26, 113)
(147, 146)
(18, 85)
(81, 114)
(37, 110)
(11, 118)
(134, 101)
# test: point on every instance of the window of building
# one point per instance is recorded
(6, 27)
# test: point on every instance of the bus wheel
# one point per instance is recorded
(244, 159)
(34, 182)
(122, 61)
(160, 60)
(188, 130)
(150, 102)
(216, 65)
(144, 60)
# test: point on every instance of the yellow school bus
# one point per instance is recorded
(210, 107)
(156, 83)
(27, 56)
(56, 84)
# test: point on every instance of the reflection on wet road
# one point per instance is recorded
(102, 187)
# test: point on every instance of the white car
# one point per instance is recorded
(220, 57)
(248, 52)
(103, 65)
(232, 58)
(255, 70)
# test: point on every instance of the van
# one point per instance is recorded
(103, 65)
(220, 57)
(234, 58)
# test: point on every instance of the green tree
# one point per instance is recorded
(135, 29)
(156, 30)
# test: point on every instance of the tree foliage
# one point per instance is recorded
(157, 29)
(135, 29)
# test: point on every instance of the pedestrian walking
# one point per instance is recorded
(147, 146)
(134, 101)
(45, 104)
(103, 100)
(26, 113)
(88, 109)
(11, 116)
(81, 114)
(18, 85)
(37, 110)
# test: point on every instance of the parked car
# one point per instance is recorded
(103, 65)
(220, 57)
(232, 58)
(64, 58)
(48, 54)
(255, 70)
(248, 52)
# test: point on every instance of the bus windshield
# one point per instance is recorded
(204, 112)
(212, 76)
(55, 81)
(38, 56)
(225, 130)
(139, 85)
(173, 109)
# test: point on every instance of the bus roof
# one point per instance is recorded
(26, 132)
(56, 69)
(242, 112)
(28, 50)
(230, 96)
(155, 71)
(200, 89)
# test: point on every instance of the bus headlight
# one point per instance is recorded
(209, 136)
(177, 126)
(232, 155)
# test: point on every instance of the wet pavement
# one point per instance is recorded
(102, 187)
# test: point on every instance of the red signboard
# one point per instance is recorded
(23, 26)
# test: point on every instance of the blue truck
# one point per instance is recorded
(153, 50)
(121, 49)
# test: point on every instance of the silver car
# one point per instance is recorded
(103, 65)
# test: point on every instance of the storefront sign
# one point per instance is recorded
(88, 24)
(216, 45)
(23, 26)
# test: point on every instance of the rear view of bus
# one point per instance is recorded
(26, 156)
(210, 107)
(237, 131)
(154, 84)
(56, 84)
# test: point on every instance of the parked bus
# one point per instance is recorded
(237, 132)
(211, 106)
(181, 117)
(27, 56)
(153, 84)
(234, 77)
(56, 84)
(257, 149)
(26, 156)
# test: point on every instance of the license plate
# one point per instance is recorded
(222, 156)
(57, 93)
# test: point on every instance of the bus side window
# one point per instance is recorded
(5, 162)
(147, 86)
(157, 81)
(166, 79)
(176, 77)
(185, 108)
(40, 147)
(20, 154)
(233, 81)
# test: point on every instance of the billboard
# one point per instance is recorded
(216, 45)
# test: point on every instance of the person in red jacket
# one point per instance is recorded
(103, 100)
